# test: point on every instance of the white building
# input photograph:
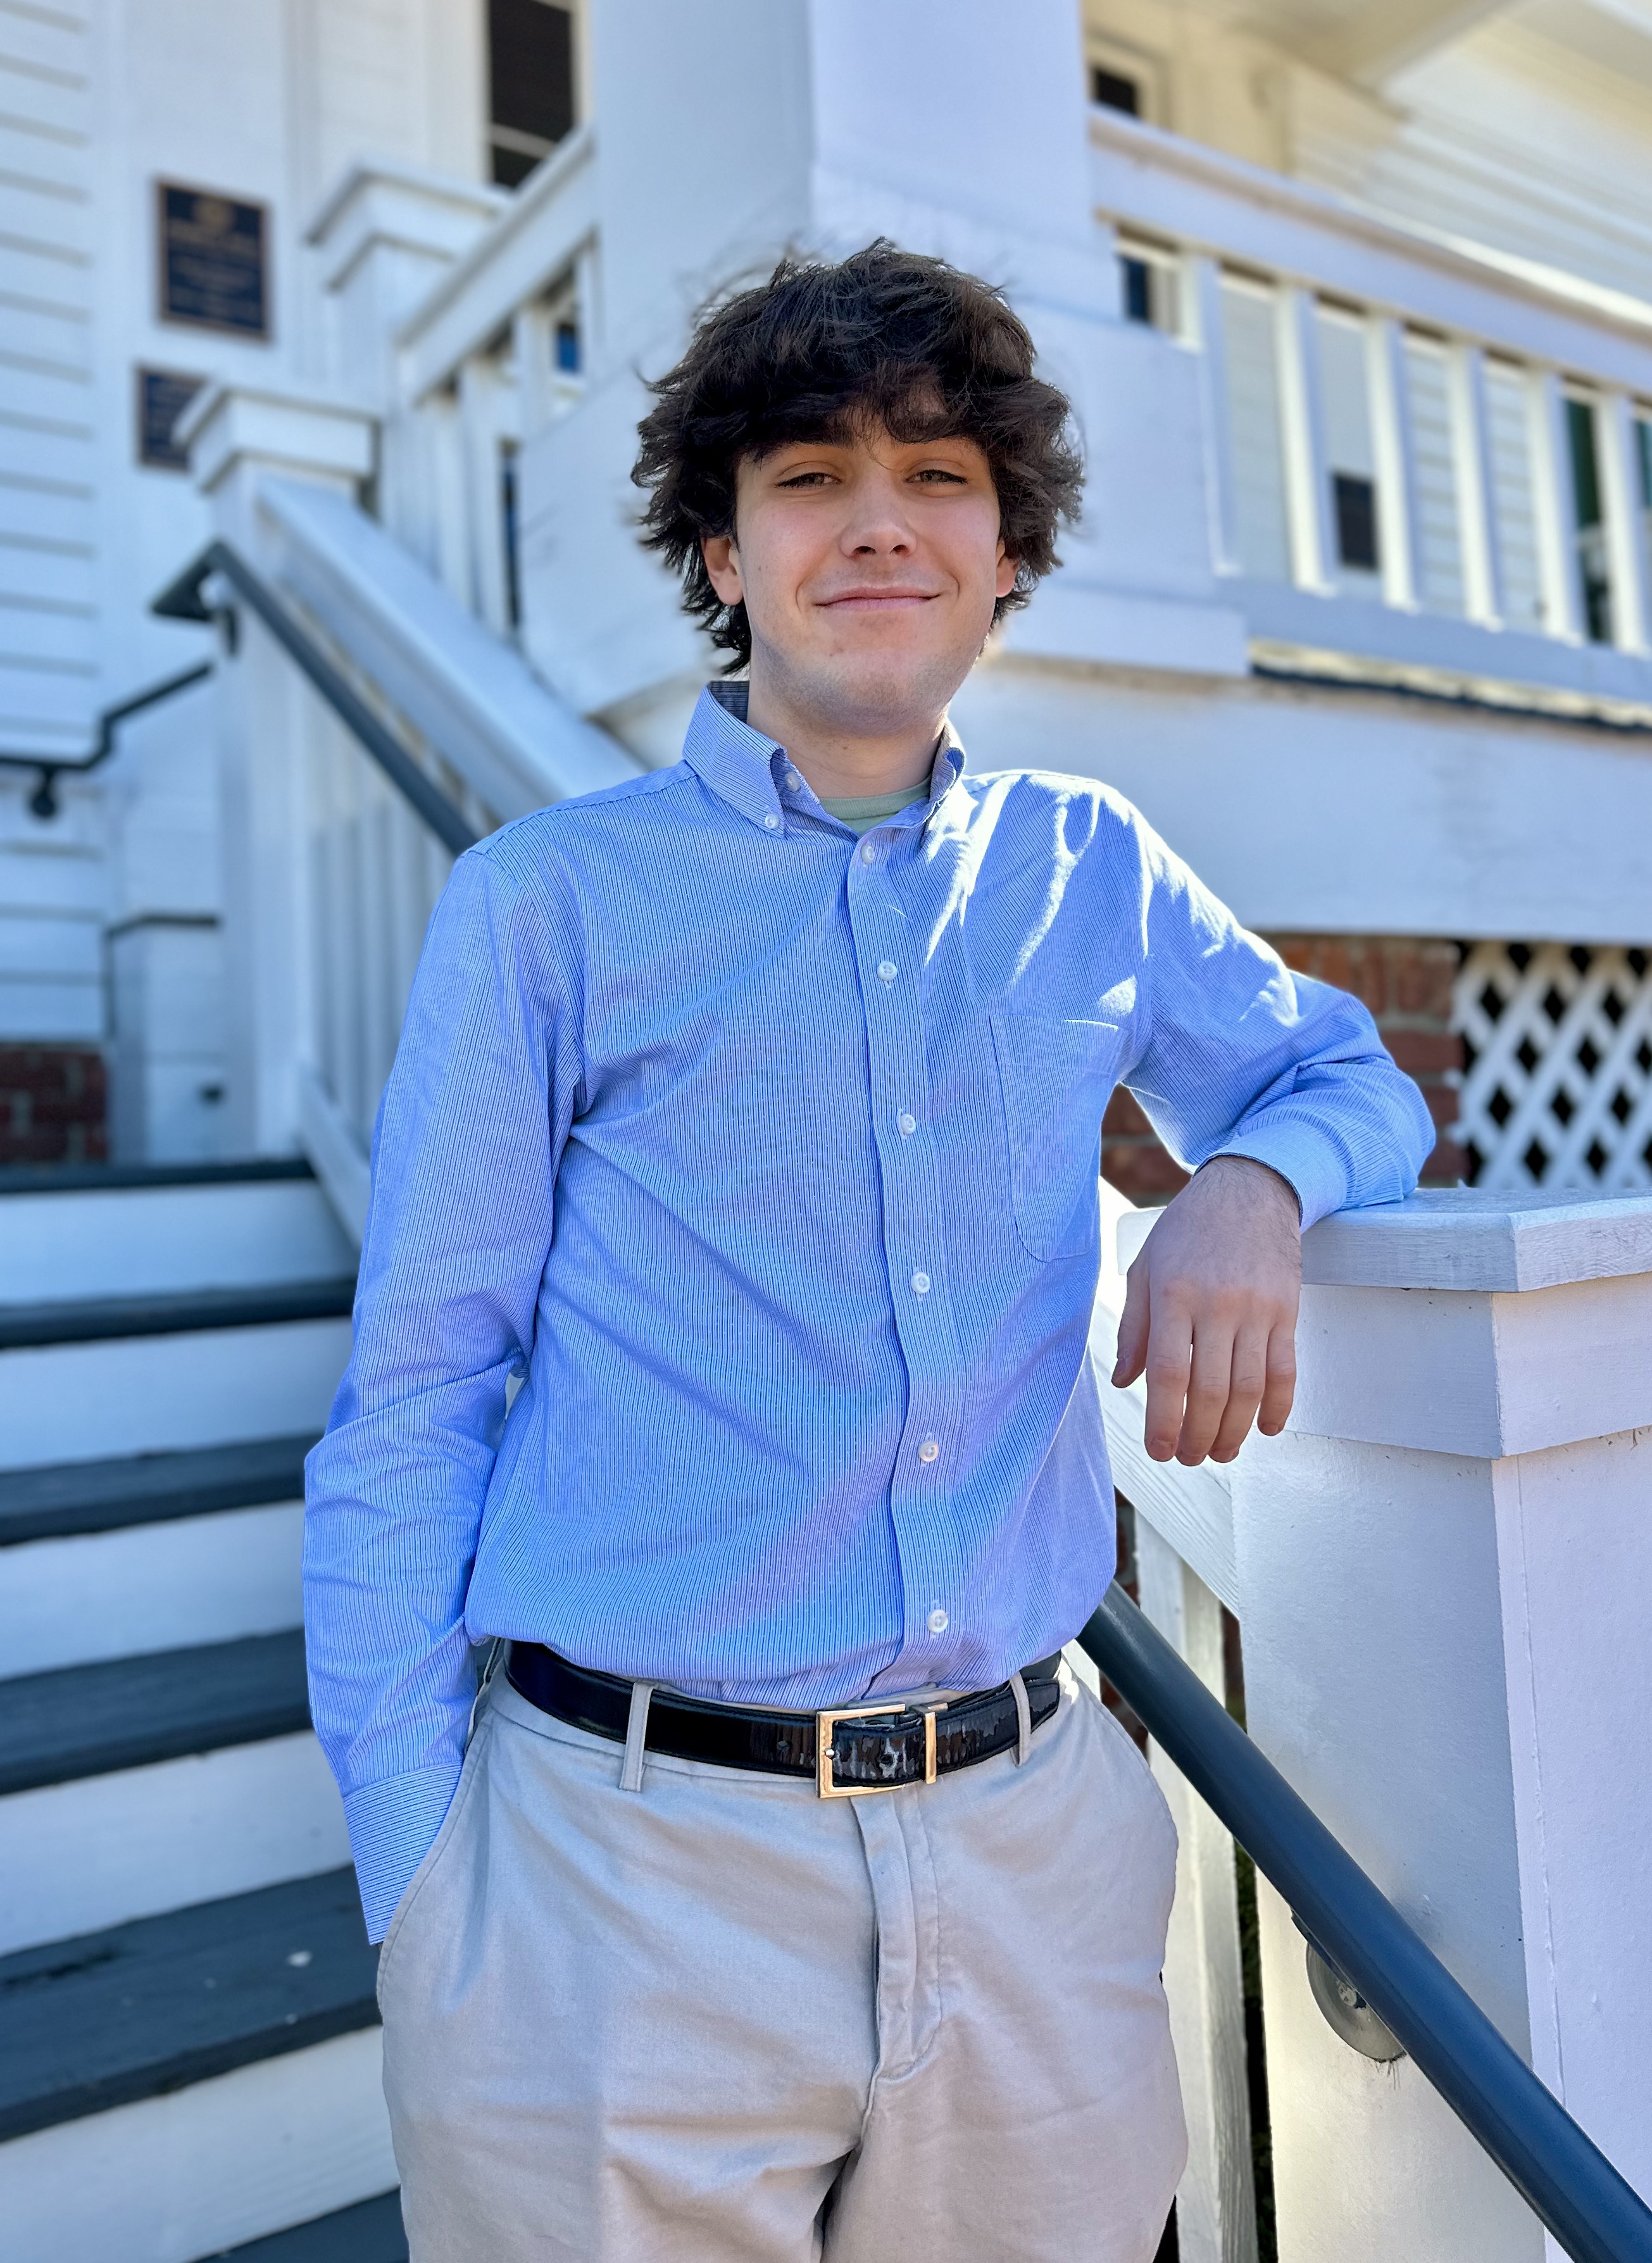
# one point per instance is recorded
(1353, 298)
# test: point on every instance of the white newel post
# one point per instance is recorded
(1445, 1572)
(235, 435)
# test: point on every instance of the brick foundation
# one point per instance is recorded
(53, 1105)
(1405, 981)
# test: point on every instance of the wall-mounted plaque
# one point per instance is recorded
(163, 394)
(215, 261)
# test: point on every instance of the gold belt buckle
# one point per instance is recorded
(826, 1784)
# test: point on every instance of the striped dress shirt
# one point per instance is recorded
(763, 1160)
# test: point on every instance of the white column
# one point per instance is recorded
(1471, 453)
(1204, 1983)
(1444, 1572)
(234, 435)
(1555, 507)
(1397, 514)
(1621, 502)
(1302, 417)
(1202, 329)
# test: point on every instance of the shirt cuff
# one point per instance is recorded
(1309, 1162)
(393, 1827)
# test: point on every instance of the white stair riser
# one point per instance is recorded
(150, 1586)
(155, 1394)
(76, 1857)
(130, 1241)
(171, 2179)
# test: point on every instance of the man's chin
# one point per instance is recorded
(876, 695)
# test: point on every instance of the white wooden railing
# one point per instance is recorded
(1418, 451)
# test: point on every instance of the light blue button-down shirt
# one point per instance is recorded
(766, 1159)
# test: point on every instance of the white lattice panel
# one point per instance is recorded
(1557, 1084)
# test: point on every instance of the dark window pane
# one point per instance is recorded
(567, 354)
(530, 53)
(1114, 92)
(1138, 289)
(511, 167)
(1355, 499)
(163, 394)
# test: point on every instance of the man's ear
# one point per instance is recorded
(1008, 568)
(722, 566)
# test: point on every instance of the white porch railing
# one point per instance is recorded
(1420, 453)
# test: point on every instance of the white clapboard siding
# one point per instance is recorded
(1514, 493)
(76, 1857)
(1261, 525)
(149, 1588)
(171, 2179)
(155, 1394)
(48, 621)
(1438, 537)
(130, 1241)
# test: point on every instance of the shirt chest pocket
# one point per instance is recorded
(1056, 1076)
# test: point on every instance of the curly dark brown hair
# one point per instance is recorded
(886, 337)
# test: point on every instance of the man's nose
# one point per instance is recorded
(878, 526)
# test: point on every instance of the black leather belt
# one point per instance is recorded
(847, 1749)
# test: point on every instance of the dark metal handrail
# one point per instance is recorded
(1562, 2176)
(43, 800)
(184, 600)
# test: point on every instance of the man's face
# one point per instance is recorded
(870, 567)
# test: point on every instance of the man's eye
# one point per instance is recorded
(806, 480)
(937, 476)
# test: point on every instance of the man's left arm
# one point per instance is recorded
(1278, 1093)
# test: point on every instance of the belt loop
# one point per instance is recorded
(1024, 1718)
(630, 1774)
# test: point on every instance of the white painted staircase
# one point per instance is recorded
(189, 2046)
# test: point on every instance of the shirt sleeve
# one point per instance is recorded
(458, 1229)
(1241, 1057)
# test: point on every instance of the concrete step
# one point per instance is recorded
(142, 1784)
(370, 2232)
(175, 2086)
(101, 1232)
(214, 1385)
(109, 1559)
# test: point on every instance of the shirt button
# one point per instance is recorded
(887, 970)
(937, 1620)
(771, 820)
(905, 1125)
(868, 854)
(928, 1450)
(794, 779)
(920, 1283)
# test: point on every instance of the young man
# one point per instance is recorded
(784, 1896)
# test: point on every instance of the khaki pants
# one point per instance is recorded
(722, 2020)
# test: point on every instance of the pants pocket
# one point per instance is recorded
(474, 1754)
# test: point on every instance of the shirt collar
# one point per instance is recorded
(748, 769)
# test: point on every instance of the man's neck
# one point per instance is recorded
(840, 764)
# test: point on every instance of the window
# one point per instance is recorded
(1149, 285)
(1594, 582)
(1355, 497)
(1345, 392)
(1122, 76)
(530, 78)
